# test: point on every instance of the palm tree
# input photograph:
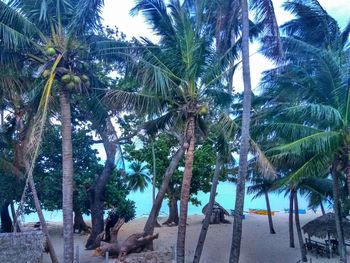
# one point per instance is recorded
(261, 187)
(314, 73)
(56, 31)
(176, 77)
(265, 7)
(138, 177)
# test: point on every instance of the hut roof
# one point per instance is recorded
(204, 210)
(324, 225)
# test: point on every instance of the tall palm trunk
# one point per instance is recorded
(338, 217)
(152, 218)
(205, 225)
(67, 183)
(245, 135)
(269, 214)
(291, 230)
(185, 190)
(300, 235)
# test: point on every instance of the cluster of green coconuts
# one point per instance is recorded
(70, 80)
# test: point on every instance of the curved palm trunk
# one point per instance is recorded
(269, 215)
(67, 184)
(338, 217)
(185, 190)
(39, 211)
(245, 135)
(205, 225)
(300, 235)
(37, 204)
(291, 230)
(152, 218)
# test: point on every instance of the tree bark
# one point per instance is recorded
(79, 223)
(245, 135)
(298, 227)
(173, 218)
(15, 221)
(6, 222)
(205, 225)
(338, 216)
(269, 214)
(152, 218)
(291, 230)
(185, 190)
(96, 192)
(67, 182)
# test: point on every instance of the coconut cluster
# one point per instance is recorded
(72, 81)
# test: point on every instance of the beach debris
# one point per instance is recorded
(135, 243)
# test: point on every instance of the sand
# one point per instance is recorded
(258, 246)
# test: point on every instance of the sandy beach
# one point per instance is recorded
(257, 244)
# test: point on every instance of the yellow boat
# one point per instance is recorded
(260, 212)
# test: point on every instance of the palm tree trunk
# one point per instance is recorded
(52, 252)
(291, 230)
(272, 230)
(338, 217)
(300, 235)
(205, 225)
(245, 135)
(154, 173)
(39, 211)
(152, 218)
(67, 183)
(185, 190)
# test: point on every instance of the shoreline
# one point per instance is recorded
(258, 245)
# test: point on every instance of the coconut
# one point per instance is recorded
(66, 78)
(50, 51)
(76, 80)
(70, 85)
(85, 78)
(203, 110)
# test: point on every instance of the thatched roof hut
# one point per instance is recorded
(24, 247)
(324, 225)
(216, 205)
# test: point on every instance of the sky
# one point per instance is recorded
(116, 13)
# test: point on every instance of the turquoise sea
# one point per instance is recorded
(226, 197)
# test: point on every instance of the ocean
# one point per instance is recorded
(226, 193)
